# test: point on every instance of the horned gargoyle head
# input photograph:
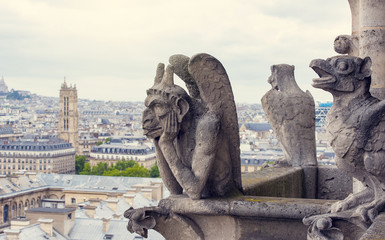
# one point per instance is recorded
(342, 73)
(164, 99)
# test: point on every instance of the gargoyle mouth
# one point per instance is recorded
(152, 132)
(325, 78)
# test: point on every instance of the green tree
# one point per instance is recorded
(136, 171)
(113, 172)
(108, 140)
(86, 169)
(99, 143)
(79, 163)
(154, 171)
(99, 169)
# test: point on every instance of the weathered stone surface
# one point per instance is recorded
(333, 183)
(367, 39)
(291, 113)
(274, 182)
(196, 137)
(377, 230)
(246, 217)
(355, 128)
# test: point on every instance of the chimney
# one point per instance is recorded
(157, 190)
(12, 234)
(20, 173)
(32, 176)
(113, 204)
(131, 191)
(94, 201)
(17, 224)
(129, 198)
(147, 193)
(46, 225)
(138, 187)
(112, 195)
(90, 211)
(106, 224)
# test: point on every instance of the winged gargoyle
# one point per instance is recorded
(356, 131)
(196, 137)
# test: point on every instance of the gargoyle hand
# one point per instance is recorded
(170, 126)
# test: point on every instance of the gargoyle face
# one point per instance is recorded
(273, 81)
(340, 73)
(160, 111)
(156, 110)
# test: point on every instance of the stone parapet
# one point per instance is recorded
(274, 182)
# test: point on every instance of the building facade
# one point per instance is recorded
(52, 156)
(86, 143)
(68, 115)
(111, 153)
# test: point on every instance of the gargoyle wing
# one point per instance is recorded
(273, 102)
(216, 95)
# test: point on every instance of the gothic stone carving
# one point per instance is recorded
(196, 137)
(356, 131)
(162, 221)
(291, 113)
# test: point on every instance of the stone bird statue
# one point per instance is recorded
(291, 113)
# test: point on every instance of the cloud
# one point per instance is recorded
(110, 49)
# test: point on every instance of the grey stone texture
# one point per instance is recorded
(244, 217)
(376, 230)
(355, 127)
(291, 113)
(196, 136)
(274, 182)
(367, 39)
(333, 183)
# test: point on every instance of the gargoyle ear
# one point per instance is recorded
(183, 108)
(365, 70)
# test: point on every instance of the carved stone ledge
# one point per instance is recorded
(162, 221)
(245, 217)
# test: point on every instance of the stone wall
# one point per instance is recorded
(290, 182)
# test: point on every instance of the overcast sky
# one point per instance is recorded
(110, 49)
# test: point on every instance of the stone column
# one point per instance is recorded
(368, 27)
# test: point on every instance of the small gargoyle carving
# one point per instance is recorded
(196, 136)
(356, 131)
(291, 113)
(139, 222)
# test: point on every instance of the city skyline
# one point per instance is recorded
(110, 50)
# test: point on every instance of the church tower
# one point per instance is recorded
(68, 115)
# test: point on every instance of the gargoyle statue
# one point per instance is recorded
(291, 113)
(356, 131)
(196, 137)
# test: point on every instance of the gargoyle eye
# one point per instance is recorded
(342, 66)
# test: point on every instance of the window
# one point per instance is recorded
(73, 200)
